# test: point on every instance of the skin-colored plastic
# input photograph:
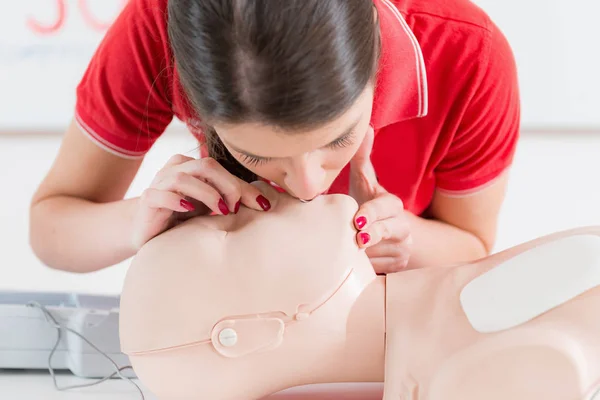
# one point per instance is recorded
(434, 353)
(243, 306)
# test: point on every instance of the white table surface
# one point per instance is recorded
(34, 385)
(38, 385)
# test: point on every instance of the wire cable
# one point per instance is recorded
(59, 329)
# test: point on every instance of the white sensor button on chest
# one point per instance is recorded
(228, 337)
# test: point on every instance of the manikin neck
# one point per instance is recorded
(365, 349)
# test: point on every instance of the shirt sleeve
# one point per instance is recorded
(484, 145)
(123, 101)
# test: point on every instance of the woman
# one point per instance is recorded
(410, 106)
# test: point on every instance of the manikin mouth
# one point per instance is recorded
(307, 201)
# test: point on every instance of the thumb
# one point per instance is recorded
(362, 159)
(363, 180)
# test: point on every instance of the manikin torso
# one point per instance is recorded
(243, 306)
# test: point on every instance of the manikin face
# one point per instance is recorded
(304, 164)
(186, 285)
(225, 265)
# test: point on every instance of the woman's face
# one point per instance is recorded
(305, 164)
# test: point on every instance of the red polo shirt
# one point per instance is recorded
(446, 111)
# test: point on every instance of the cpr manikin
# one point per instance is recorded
(243, 306)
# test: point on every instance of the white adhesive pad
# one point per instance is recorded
(532, 283)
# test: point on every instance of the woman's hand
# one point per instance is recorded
(186, 187)
(383, 229)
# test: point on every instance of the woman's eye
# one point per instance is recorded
(344, 141)
(253, 161)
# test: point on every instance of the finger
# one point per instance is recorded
(166, 170)
(394, 230)
(209, 170)
(397, 255)
(197, 208)
(362, 157)
(388, 265)
(252, 197)
(177, 159)
(156, 198)
(381, 207)
(267, 189)
(388, 249)
(361, 166)
(187, 185)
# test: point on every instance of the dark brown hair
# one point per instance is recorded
(292, 64)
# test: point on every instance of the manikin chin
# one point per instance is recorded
(243, 306)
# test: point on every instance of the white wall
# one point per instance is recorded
(40, 69)
(555, 44)
(554, 186)
(558, 58)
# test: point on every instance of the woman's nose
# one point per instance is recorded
(305, 177)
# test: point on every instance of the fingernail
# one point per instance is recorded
(361, 222)
(237, 207)
(187, 205)
(223, 207)
(364, 237)
(263, 202)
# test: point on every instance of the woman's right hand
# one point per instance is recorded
(187, 187)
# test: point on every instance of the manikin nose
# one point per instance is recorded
(305, 178)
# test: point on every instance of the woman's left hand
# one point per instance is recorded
(383, 229)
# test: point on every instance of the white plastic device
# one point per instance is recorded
(26, 337)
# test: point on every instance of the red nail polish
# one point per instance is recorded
(223, 207)
(364, 237)
(263, 202)
(237, 207)
(361, 222)
(187, 205)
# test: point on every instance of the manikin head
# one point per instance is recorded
(240, 306)
(285, 88)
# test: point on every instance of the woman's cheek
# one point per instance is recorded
(337, 159)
